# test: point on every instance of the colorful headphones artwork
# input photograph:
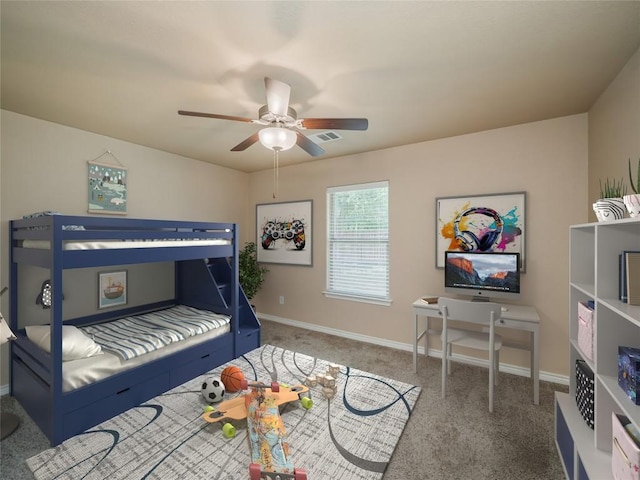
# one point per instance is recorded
(467, 240)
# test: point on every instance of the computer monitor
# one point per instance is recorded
(482, 275)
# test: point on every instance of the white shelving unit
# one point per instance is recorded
(594, 251)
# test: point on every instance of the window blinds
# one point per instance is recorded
(358, 240)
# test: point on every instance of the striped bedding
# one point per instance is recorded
(136, 335)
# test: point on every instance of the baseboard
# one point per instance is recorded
(4, 390)
(504, 367)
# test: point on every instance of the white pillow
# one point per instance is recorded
(75, 344)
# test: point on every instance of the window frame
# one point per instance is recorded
(357, 297)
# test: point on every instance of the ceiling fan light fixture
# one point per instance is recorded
(277, 138)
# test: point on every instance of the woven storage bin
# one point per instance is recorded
(625, 454)
(585, 330)
(585, 391)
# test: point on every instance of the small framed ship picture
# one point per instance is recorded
(112, 289)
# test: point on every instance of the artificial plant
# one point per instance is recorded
(613, 189)
(251, 272)
(635, 187)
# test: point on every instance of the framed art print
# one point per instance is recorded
(284, 233)
(481, 223)
(107, 188)
(112, 289)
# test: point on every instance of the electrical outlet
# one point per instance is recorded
(281, 299)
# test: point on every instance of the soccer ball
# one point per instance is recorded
(213, 390)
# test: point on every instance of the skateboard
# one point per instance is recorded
(269, 450)
(260, 406)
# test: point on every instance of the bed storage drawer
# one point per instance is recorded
(248, 339)
(201, 359)
(80, 419)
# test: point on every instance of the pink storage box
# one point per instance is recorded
(585, 330)
(625, 454)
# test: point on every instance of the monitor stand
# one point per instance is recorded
(478, 298)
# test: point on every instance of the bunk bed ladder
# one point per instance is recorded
(248, 336)
(208, 284)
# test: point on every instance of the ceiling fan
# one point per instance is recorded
(282, 122)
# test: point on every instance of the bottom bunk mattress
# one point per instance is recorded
(129, 342)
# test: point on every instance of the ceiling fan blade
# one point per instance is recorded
(243, 145)
(278, 94)
(308, 146)
(335, 123)
(215, 115)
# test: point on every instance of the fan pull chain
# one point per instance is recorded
(275, 171)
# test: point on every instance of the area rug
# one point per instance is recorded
(351, 436)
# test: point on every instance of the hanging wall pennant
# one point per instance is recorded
(107, 187)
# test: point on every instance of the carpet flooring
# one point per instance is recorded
(350, 436)
(445, 439)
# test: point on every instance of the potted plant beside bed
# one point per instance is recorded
(251, 272)
(632, 201)
(610, 206)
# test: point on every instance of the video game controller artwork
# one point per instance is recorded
(289, 231)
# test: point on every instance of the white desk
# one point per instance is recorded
(518, 317)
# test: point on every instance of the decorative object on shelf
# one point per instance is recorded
(251, 272)
(632, 201)
(629, 372)
(107, 186)
(284, 232)
(112, 289)
(486, 223)
(610, 206)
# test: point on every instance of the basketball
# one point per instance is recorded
(232, 378)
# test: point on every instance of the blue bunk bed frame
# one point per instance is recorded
(206, 277)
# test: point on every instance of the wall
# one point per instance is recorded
(546, 159)
(614, 131)
(44, 167)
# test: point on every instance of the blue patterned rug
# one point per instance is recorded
(351, 436)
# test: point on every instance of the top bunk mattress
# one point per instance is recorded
(100, 241)
(116, 244)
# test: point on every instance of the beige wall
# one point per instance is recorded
(614, 130)
(44, 167)
(546, 159)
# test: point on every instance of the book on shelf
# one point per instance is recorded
(622, 282)
(622, 279)
(633, 277)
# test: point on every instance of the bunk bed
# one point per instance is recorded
(205, 267)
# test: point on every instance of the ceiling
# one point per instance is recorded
(418, 70)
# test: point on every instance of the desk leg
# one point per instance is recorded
(426, 336)
(415, 344)
(535, 367)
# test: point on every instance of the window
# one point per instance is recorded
(358, 242)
